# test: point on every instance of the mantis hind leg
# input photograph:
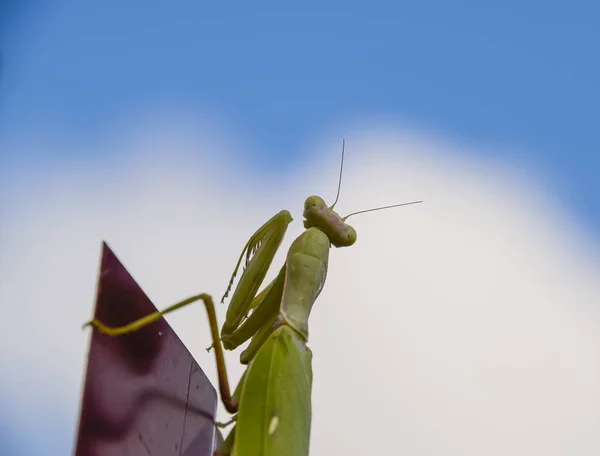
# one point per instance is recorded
(231, 403)
(142, 322)
(226, 423)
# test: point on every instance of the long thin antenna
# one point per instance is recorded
(340, 180)
(381, 208)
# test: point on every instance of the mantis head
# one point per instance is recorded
(324, 218)
(319, 215)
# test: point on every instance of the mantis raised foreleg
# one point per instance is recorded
(272, 399)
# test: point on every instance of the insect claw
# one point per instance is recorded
(87, 323)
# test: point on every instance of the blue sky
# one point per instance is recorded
(437, 100)
(518, 74)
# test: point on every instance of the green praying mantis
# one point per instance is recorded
(272, 401)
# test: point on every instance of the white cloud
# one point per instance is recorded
(465, 325)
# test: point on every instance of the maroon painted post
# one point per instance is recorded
(144, 393)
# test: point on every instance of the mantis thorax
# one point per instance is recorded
(324, 218)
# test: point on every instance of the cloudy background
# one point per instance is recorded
(465, 325)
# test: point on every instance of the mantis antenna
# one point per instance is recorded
(340, 179)
(380, 208)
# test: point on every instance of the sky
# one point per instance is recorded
(465, 325)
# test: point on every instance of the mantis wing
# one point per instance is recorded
(275, 408)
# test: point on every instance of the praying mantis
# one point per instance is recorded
(272, 401)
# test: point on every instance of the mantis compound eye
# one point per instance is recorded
(314, 201)
(351, 236)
